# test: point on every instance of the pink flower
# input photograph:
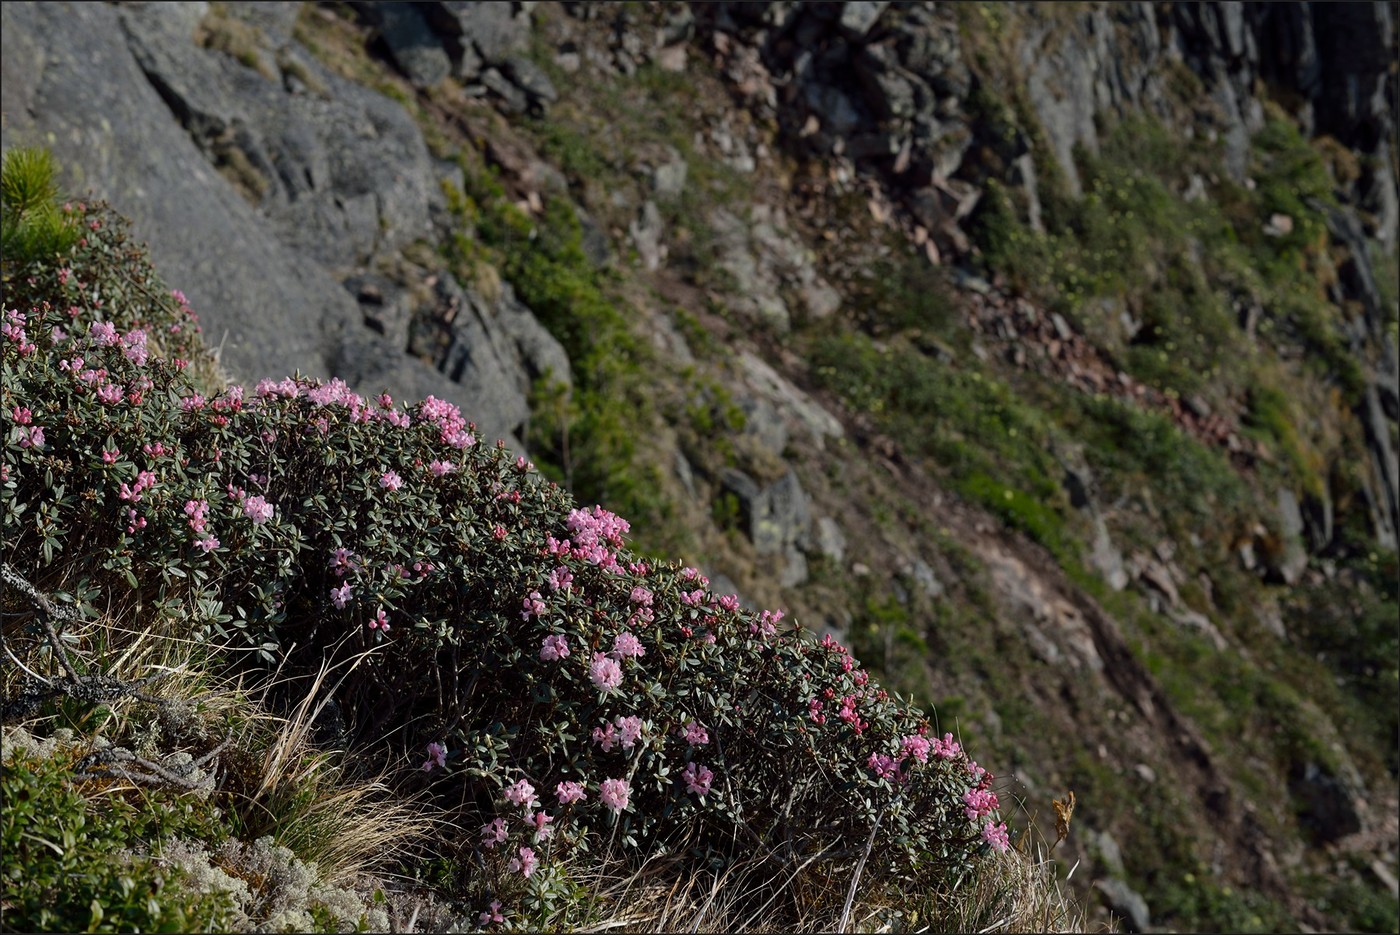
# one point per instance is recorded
(625, 645)
(208, 543)
(560, 579)
(614, 793)
(568, 792)
(257, 509)
(437, 756)
(493, 833)
(499, 533)
(886, 767)
(109, 456)
(915, 746)
(554, 647)
(521, 793)
(730, 602)
(641, 596)
(525, 863)
(605, 673)
(629, 731)
(541, 821)
(32, 437)
(605, 737)
(340, 596)
(343, 560)
(996, 836)
(390, 480)
(695, 734)
(493, 914)
(104, 333)
(945, 749)
(697, 779)
(693, 598)
(21, 415)
(534, 606)
(980, 803)
(381, 620)
(440, 468)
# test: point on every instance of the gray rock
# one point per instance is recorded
(1288, 563)
(858, 16)
(775, 518)
(646, 232)
(341, 176)
(492, 29)
(763, 422)
(271, 310)
(531, 79)
(668, 179)
(512, 100)
(1105, 847)
(830, 541)
(794, 404)
(1330, 803)
(794, 571)
(923, 576)
(1106, 559)
(1127, 902)
(833, 107)
(414, 47)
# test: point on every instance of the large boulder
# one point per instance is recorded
(268, 310)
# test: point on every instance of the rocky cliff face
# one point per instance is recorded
(883, 369)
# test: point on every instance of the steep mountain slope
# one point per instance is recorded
(1046, 354)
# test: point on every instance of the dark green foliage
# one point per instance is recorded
(75, 861)
(32, 225)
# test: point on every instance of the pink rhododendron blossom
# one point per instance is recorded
(32, 436)
(493, 914)
(441, 468)
(21, 415)
(104, 333)
(693, 574)
(196, 510)
(381, 620)
(340, 596)
(996, 836)
(110, 455)
(257, 509)
(493, 833)
(980, 803)
(883, 766)
(568, 792)
(437, 757)
(614, 793)
(605, 673)
(605, 737)
(343, 560)
(642, 596)
(693, 598)
(390, 480)
(521, 793)
(533, 606)
(625, 645)
(629, 730)
(915, 746)
(208, 543)
(554, 647)
(134, 347)
(730, 602)
(697, 779)
(560, 579)
(525, 863)
(945, 749)
(695, 734)
(541, 821)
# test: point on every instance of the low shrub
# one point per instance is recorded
(576, 697)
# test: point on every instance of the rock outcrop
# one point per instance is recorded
(261, 182)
